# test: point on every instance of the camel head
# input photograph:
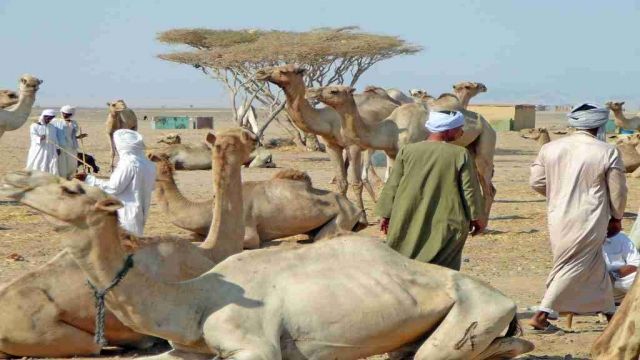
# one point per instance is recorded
(375, 90)
(332, 95)
(469, 88)
(614, 106)
(68, 201)
(280, 75)
(116, 106)
(29, 84)
(170, 139)
(445, 101)
(233, 145)
(421, 95)
(164, 167)
(8, 98)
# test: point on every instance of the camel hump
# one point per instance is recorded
(293, 174)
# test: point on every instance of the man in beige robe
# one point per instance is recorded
(584, 182)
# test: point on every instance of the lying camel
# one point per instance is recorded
(49, 312)
(285, 303)
(632, 123)
(284, 206)
(541, 135)
(184, 156)
(170, 139)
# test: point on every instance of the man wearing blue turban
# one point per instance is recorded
(432, 198)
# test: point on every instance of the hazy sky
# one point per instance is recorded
(542, 51)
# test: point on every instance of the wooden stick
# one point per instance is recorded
(84, 158)
(68, 153)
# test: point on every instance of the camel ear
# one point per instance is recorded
(622, 103)
(211, 139)
(40, 82)
(299, 70)
(108, 205)
(23, 80)
(108, 104)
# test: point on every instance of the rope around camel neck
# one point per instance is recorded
(99, 296)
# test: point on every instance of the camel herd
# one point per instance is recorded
(343, 296)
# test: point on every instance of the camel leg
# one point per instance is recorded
(355, 177)
(365, 174)
(484, 149)
(471, 327)
(60, 340)
(251, 237)
(335, 154)
(179, 355)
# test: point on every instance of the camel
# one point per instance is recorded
(541, 135)
(14, 116)
(325, 122)
(399, 96)
(619, 118)
(49, 312)
(185, 156)
(170, 139)
(257, 304)
(406, 124)
(284, 206)
(465, 90)
(8, 98)
(119, 117)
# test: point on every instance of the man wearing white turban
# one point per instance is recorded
(132, 181)
(584, 182)
(69, 133)
(432, 198)
(43, 152)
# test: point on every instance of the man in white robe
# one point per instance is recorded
(622, 260)
(584, 182)
(43, 152)
(132, 181)
(69, 132)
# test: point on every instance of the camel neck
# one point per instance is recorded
(305, 116)
(138, 301)
(353, 125)
(464, 98)
(226, 233)
(20, 111)
(169, 194)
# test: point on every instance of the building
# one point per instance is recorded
(507, 117)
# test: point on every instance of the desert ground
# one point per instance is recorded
(513, 255)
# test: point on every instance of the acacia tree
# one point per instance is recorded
(331, 56)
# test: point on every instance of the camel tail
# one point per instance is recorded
(514, 328)
(293, 174)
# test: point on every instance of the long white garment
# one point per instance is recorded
(132, 182)
(619, 251)
(67, 162)
(584, 182)
(42, 152)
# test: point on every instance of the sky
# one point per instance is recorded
(525, 51)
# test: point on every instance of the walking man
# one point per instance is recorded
(43, 152)
(69, 134)
(583, 179)
(432, 198)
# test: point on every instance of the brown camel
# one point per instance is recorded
(170, 139)
(49, 312)
(8, 98)
(185, 156)
(284, 206)
(119, 117)
(257, 305)
(325, 122)
(14, 116)
(632, 123)
(541, 135)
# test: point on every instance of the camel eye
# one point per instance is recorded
(334, 91)
(69, 191)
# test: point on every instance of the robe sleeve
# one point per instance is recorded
(388, 194)
(35, 134)
(617, 185)
(538, 176)
(632, 256)
(472, 195)
(117, 183)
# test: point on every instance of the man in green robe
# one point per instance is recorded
(432, 198)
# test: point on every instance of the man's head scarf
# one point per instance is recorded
(128, 142)
(589, 116)
(46, 112)
(440, 121)
(68, 109)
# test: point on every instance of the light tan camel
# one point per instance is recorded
(284, 206)
(399, 96)
(119, 117)
(8, 98)
(14, 116)
(622, 121)
(325, 122)
(170, 139)
(466, 90)
(540, 135)
(621, 339)
(185, 156)
(286, 303)
(405, 125)
(49, 312)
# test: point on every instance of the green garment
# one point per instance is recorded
(431, 196)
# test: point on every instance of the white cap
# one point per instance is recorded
(68, 109)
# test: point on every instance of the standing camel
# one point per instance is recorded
(257, 305)
(465, 90)
(119, 117)
(15, 115)
(325, 122)
(621, 121)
